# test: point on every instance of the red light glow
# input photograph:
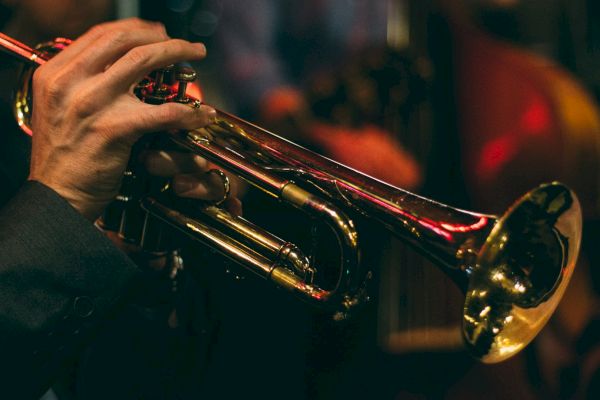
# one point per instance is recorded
(497, 153)
(537, 118)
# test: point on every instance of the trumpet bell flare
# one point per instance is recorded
(521, 273)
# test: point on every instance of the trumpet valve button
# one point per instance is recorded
(159, 80)
(184, 76)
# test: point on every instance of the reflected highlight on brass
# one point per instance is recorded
(513, 270)
(521, 272)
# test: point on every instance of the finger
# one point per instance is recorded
(141, 60)
(170, 163)
(204, 187)
(114, 44)
(87, 41)
(234, 206)
(164, 117)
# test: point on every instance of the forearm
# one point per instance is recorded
(59, 277)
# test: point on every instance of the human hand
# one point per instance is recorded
(86, 117)
(191, 177)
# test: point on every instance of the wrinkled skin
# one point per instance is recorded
(86, 117)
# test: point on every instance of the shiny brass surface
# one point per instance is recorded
(184, 76)
(521, 272)
(513, 269)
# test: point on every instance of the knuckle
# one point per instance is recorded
(160, 28)
(180, 45)
(40, 77)
(172, 49)
(118, 38)
(49, 85)
(138, 57)
(125, 24)
(84, 105)
(98, 30)
(157, 27)
(78, 64)
(136, 21)
(139, 23)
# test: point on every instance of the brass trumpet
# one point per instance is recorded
(513, 269)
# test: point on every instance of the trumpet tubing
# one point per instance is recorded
(513, 269)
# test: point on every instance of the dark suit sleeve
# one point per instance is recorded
(59, 276)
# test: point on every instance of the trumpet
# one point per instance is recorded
(513, 268)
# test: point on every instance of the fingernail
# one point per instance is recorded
(210, 113)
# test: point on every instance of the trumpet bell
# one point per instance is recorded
(521, 272)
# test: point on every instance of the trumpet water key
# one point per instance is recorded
(513, 269)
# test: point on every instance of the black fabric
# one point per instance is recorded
(59, 277)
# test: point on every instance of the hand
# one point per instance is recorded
(86, 117)
(190, 177)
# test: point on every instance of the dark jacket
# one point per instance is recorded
(59, 275)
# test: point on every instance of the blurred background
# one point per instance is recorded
(469, 102)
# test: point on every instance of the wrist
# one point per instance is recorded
(88, 207)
